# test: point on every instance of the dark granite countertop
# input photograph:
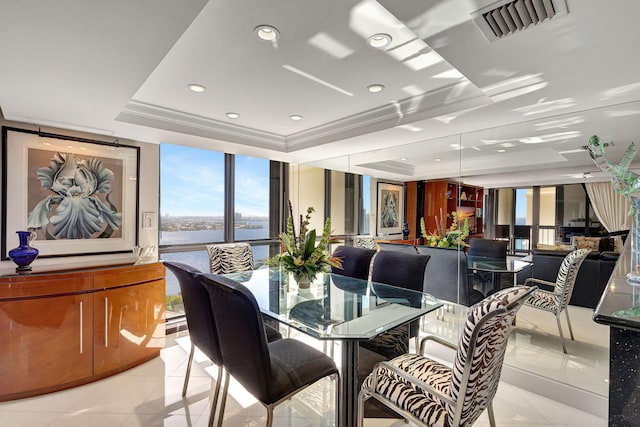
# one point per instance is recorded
(619, 305)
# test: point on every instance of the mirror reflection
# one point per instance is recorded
(533, 180)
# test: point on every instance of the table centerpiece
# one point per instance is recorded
(300, 255)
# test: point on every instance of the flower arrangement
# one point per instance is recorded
(445, 239)
(301, 256)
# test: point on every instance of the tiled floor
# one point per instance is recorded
(149, 395)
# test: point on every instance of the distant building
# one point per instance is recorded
(238, 216)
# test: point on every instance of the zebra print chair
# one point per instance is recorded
(225, 258)
(556, 301)
(363, 241)
(429, 393)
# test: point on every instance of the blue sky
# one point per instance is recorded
(192, 183)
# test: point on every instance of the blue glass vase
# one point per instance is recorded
(24, 254)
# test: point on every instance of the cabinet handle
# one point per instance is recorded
(80, 327)
(106, 321)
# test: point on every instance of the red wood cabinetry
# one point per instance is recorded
(444, 197)
(52, 326)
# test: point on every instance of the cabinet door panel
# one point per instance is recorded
(129, 325)
(46, 342)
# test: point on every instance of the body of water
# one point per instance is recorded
(200, 259)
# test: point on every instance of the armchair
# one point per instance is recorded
(431, 394)
(556, 301)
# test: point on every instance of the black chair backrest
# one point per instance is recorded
(241, 333)
(398, 247)
(488, 248)
(355, 261)
(203, 332)
(447, 276)
(400, 269)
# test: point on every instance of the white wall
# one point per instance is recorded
(148, 199)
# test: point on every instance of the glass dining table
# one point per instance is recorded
(340, 308)
(497, 266)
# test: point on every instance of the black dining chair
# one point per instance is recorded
(202, 326)
(402, 270)
(271, 372)
(490, 249)
(447, 276)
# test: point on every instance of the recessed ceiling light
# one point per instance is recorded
(502, 150)
(375, 88)
(403, 159)
(437, 160)
(380, 40)
(233, 115)
(295, 117)
(267, 32)
(196, 87)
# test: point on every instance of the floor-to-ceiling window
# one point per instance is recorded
(198, 189)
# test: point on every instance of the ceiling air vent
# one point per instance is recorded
(506, 17)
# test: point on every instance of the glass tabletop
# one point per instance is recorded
(497, 265)
(335, 306)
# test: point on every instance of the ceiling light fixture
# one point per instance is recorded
(295, 117)
(403, 159)
(380, 40)
(375, 88)
(194, 87)
(233, 115)
(437, 160)
(267, 33)
(502, 150)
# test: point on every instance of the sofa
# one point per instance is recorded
(592, 276)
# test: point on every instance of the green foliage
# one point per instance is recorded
(446, 239)
(300, 254)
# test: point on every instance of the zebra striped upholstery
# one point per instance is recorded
(432, 394)
(228, 258)
(556, 301)
(366, 242)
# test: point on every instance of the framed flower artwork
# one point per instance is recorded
(79, 196)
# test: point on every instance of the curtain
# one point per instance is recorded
(611, 208)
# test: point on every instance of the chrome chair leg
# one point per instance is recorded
(216, 395)
(269, 416)
(492, 417)
(186, 376)
(564, 346)
(224, 399)
(566, 312)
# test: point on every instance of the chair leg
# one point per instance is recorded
(360, 414)
(186, 376)
(269, 416)
(564, 346)
(492, 417)
(566, 312)
(216, 395)
(224, 399)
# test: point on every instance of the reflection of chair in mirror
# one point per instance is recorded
(356, 261)
(364, 241)
(556, 301)
(429, 393)
(490, 249)
(447, 277)
(271, 372)
(225, 258)
(404, 271)
(398, 247)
